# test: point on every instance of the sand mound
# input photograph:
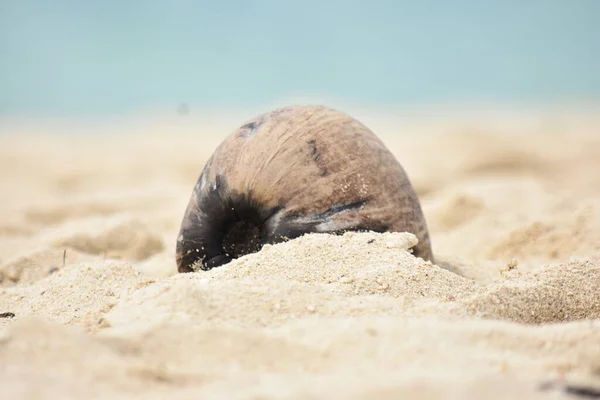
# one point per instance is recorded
(37, 265)
(113, 238)
(576, 232)
(77, 294)
(352, 264)
(460, 210)
(315, 275)
(563, 292)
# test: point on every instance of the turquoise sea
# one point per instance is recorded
(119, 57)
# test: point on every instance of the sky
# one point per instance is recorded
(119, 57)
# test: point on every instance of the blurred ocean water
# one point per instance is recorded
(109, 58)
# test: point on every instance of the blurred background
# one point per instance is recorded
(113, 58)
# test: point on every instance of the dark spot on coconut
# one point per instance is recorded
(316, 156)
(296, 224)
(7, 315)
(228, 225)
(242, 238)
(216, 262)
(249, 129)
(336, 209)
(313, 150)
(339, 208)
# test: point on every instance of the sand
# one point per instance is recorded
(93, 307)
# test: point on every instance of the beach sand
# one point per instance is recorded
(93, 306)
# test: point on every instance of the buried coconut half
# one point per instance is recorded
(292, 171)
